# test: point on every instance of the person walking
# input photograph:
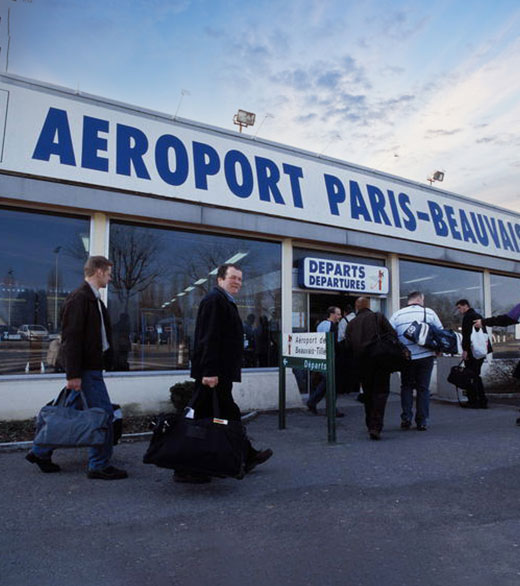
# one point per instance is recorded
(417, 374)
(330, 324)
(217, 360)
(86, 350)
(360, 333)
(476, 396)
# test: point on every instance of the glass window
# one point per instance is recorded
(159, 277)
(442, 288)
(505, 294)
(41, 262)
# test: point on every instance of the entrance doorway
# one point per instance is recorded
(320, 302)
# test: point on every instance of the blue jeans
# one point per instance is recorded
(416, 376)
(96, 395)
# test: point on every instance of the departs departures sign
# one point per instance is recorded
(310, 351)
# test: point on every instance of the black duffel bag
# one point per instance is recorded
(213, 446)
(463, 378)
(386, 352)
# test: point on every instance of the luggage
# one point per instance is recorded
(465, 379)
(213, 446)
(433, 338)
(61, 426)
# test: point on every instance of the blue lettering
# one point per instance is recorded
(205, 162)
(92, 143)
(480, 229)
(335, 193)
(162, 162)
(410, 223)
(268, 176)
(492, 229)
(505, 236)
(450, 215)
(313, 266)
(441, 229)
(132, 144)
(357, 203)
(513, 237)
(295, 174)
(393, 207)
(377, 203)
(56, 125)
(231, 160)
(361, 272)
(467, 232)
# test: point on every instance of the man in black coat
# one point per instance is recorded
(360, 333)
(217, 358)
(476, 396)
(85, 350)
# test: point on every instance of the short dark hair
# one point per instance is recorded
(331, 310)
(462, 302)
(414, 294)
(222, 270)
(94, 263)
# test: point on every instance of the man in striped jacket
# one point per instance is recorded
(418, 373)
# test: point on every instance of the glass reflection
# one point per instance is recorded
(442, 288)
(41, 263)
(504, 296)
(160, 276)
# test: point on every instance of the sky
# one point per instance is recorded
(405, 87)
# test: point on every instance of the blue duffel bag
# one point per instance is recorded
(62, 425)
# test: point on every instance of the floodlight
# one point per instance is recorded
(244, 119)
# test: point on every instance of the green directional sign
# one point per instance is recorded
(307, 363)
(311, 351)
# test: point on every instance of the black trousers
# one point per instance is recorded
(476, 396)
(228, 409)
(376, 387)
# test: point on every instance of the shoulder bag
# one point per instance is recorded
(386, 352)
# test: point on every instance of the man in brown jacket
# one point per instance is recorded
(361, 332)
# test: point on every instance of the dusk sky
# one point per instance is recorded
(406, 87)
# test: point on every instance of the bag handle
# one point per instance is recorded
(196, 395)
(65, 393)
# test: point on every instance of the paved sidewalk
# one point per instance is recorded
(440, 507)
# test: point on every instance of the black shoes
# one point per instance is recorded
(45, 465)
(406, 424)
(374, 434)
(187, 478)
(258, 458)
(108, 473)
(421, 427)
(312, 409)
(340, 414)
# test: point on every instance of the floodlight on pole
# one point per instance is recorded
(436, 176)
(244, 119)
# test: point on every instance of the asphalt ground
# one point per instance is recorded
(439, 507)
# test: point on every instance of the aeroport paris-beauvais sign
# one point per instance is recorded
(56, 133)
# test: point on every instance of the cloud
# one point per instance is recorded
(441, 133)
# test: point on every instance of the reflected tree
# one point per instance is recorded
(135, 254)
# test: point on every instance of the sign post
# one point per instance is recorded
(312, 351)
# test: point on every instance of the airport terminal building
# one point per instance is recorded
(168, 200)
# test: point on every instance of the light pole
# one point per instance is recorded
(57, 253)
(9, 288)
